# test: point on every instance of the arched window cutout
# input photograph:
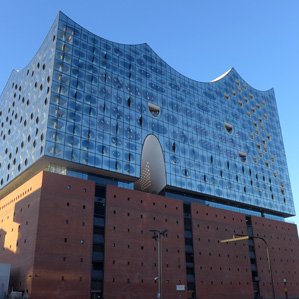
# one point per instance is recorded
(229, 128)
(154, 109)
(243, 156)
(153, 169)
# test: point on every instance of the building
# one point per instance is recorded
(101, 143)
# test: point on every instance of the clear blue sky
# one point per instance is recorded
(200, 38)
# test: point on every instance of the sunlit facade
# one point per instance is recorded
(98, 110)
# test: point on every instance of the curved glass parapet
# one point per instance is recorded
(221, 138)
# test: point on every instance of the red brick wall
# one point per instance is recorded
(222, 271)
(131, 253)
(62, 266)
(35, 219)
(18, 228)
(282, 239)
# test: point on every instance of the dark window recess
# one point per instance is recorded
(97, 265)
(129, 102)
(99, 209)
(140, 121)
(96, 248)
(243, 156)
(97, 272)
(228, 127)
(173, 147)
(189, 249)
(154, 109)
(252, 255)
(100, 192)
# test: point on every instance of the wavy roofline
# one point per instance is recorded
(14, 71)
(217, 80)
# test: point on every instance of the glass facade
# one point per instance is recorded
(24, 106)
(96, 101)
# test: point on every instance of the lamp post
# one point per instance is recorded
(285, 288)
(237, 238)
(157, 236)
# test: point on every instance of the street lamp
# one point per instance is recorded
(237, 238)
(285, 288)
(157, 236)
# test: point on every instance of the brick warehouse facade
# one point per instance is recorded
(103, 145)
(56, 247)
(42, 233)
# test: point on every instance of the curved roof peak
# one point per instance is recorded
(232, 72)
(62, 15)
(222, 76)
